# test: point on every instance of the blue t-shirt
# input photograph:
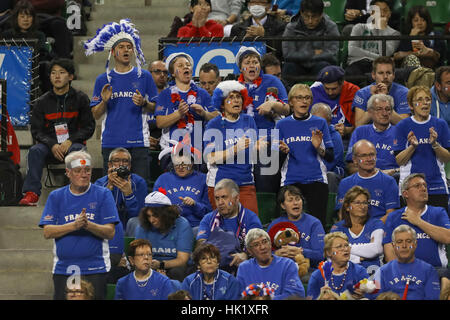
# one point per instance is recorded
(319, 95)
(337, 165)
(222, 134)
(303, 164)
(156, 287)
(423, 279)
(259, 93)
(337, 283)
(383, 191)
(225, 286)
(193, 186)
(439, 109)
(397, 91)
(166, 246)
(311, 236)
(428, 249)
(424, 158)
(165, 106)
(125, 124)
(383, 142)
(80, 247)
(364, 237)
(249, 221)
(281, 275)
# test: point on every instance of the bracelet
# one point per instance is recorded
(435, 146)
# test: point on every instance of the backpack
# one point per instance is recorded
(10, 181)
(421, 76)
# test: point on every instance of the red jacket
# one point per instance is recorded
(346, 100)
(210, 29)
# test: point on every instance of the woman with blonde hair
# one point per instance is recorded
(421, 145)
(337, 272)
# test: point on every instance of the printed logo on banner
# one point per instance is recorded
(221, 54)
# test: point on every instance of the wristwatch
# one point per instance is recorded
(161, 265)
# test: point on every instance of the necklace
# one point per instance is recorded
(342, 283)
(142, 283)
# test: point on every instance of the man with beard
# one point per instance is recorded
(332, 89)
(383, 75)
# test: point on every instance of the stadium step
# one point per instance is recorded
(26, 258)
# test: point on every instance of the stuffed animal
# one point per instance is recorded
(286, 233)
(365, 285)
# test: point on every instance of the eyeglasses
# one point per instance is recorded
(158, 72)
(342, 247)
(143, 255)
(123, 161)
(418, 185)
(206, 259)
(262, 243)
(79, 170)
(361, 203)
(422, 101)
(299, 98)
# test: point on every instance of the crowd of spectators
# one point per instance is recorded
(381, 148)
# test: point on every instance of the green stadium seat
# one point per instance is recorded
(447, 170)
(126, 243)
(110, 291)
(439, 9)
(331, 216)
(335, 9)
(267, 202)
(155, 169)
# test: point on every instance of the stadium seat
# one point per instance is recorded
(155, 169)
(110, 291)
(331, 216)
(267, 203)
(335, 10)
(439, 9)
(126, 243)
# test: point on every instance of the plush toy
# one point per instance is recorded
(365, 285)
(286, 233)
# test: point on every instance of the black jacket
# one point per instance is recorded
(76, 113)
(272, 27)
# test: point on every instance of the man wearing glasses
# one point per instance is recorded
(160, 77)
(382, 187)
(407, 274)
(431, 224)
(129, 191)
(380, 132)
(80, 217)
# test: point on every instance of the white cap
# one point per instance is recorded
(157, 199)
(243, 51)
(178, 54)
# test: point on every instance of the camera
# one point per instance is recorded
(122, 172)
